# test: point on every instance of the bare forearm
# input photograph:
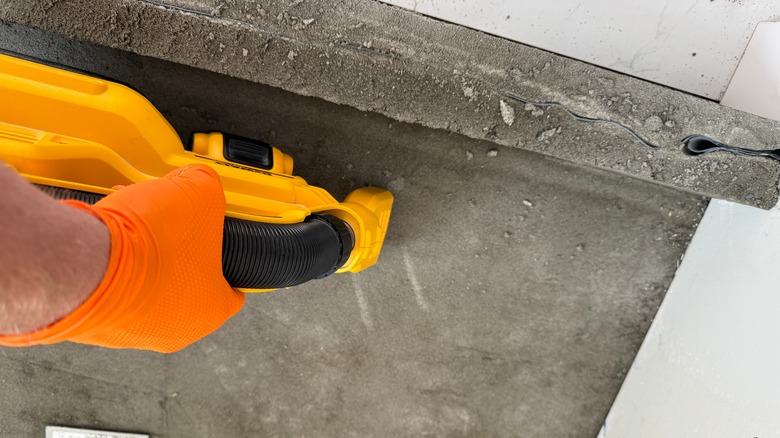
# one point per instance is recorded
(52, 256)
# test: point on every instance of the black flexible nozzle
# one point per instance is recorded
(258, 255)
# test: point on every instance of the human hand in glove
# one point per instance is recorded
(141, 269)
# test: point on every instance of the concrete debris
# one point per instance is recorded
(549, 133)
(535, 110)
(291, 55)
(217, 11)
(492, 153)
(245, 52)
(654, 123)
(528, 203)
(507, 113)
(469, 91)
(469, 155)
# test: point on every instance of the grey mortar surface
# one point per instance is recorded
(383, 59)
(510, 299)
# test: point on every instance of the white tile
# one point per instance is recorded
(755, 87)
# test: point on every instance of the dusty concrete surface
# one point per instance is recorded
(511, 297)
(380, 58)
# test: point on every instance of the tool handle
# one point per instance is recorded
(259, 255)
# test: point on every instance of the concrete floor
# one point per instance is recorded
(511, 297)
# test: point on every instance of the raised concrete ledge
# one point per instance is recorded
(384, 59)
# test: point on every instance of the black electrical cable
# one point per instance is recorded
(695, 145)
(585, 119)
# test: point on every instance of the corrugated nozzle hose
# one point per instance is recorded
(258, 255)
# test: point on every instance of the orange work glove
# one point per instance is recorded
(163, 288)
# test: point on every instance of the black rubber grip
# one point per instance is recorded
(76, 195)
(259, 255)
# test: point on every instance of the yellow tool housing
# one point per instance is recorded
(69, 130)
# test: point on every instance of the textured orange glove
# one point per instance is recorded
(163, 288)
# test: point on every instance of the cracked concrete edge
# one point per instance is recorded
(384, 59)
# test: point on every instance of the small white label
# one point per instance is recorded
(67, 432)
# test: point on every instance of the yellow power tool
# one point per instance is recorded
(77, 136)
